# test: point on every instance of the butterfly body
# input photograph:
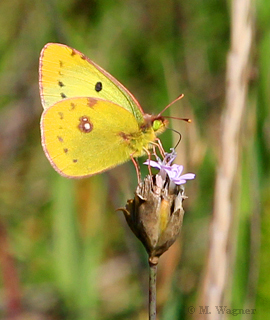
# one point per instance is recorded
(91, 122)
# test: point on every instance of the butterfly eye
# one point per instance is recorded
(157, 124)
(98, 86)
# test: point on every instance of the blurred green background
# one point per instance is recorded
(65, 253)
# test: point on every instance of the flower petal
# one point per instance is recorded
(188, 176)
(174, 172)
(152, 163)
(179, 181)
(183, 179)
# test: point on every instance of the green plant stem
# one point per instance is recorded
(152, 291)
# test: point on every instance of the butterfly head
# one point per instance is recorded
(158, 123)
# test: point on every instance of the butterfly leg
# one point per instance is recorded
(159, 145)
(155, 152)
(136, 165)
(149, 158)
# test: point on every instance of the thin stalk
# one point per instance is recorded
(219, 264)
(152, 291)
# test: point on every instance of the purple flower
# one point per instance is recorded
(173, 171)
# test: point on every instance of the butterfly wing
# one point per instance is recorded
(65, 73)
(85, 136)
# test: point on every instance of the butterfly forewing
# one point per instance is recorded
(66, 73)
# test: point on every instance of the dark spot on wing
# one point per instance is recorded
(98, 86)
(60, 138)
(61, 115)
(75, 160)
(60, 83)
(63, 95)
(124, 136)
(85, 125)
(91, 102)
(65, 150)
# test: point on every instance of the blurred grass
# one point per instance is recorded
(68, 244)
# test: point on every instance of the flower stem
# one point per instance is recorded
(152, 291)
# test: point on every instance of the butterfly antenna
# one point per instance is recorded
(178, 98)
(184, 119)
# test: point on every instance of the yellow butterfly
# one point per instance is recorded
(90, 122)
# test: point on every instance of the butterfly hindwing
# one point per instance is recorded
(84, 136)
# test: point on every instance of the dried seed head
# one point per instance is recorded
(155, 214)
